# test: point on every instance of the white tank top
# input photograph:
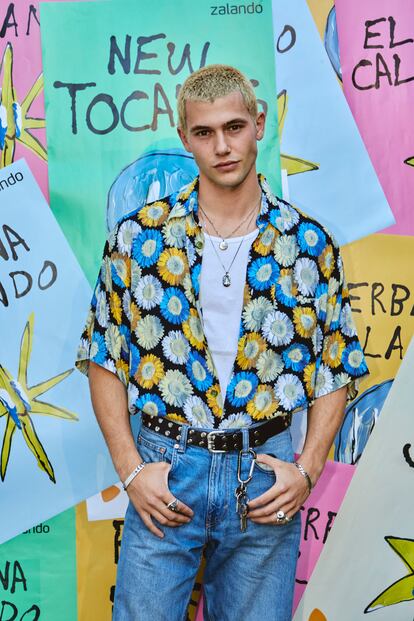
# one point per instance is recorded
(222, 306)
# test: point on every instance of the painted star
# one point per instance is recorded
(409, 161)
(293, 165)
(18, 403)
(403, 589)
(15, 124)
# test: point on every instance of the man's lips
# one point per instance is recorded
(225, 165)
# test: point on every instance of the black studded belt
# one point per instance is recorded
(217, 440)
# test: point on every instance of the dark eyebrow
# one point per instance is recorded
(198, 128)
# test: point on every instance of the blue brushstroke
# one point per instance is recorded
(359, 421)
(150, 177)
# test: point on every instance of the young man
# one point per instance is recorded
(220, 311)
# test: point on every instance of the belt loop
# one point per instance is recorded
(183, 439)
(245, 438)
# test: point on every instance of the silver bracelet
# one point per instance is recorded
(304, 474)
(133, 474)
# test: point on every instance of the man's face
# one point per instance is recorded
(223, 137)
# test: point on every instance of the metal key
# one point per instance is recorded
(241, 495)
(243, 517)
(241, 491)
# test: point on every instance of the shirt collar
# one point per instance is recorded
(185, 201)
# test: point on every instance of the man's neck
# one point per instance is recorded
(226, 205)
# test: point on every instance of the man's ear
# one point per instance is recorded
(260, 125)
(183, 139)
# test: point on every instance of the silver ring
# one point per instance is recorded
(282, 518)
(172, 506)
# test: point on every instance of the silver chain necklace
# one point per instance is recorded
(223, 245)
(226, 280)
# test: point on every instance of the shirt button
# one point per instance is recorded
(199, 244)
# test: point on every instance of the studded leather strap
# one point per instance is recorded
(217, 440)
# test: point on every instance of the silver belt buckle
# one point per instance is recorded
(210, 441)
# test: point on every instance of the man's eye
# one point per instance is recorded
(202, 132)
(234, 127)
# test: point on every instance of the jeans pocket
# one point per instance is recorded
(153, 447)
(279, 446)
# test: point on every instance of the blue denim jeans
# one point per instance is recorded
(248, 575)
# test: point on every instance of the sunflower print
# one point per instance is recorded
(172, 266)
(249, 348)
(150, 371)
(297, 338)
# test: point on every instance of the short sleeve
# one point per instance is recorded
(340, 360)
(106, 336)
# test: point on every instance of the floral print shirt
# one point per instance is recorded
(297, 336)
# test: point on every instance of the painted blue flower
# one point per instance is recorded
(151, 404)
(174, 306)
(353, 359)
(263, 273)
(147, 247)
(241, 388)
(296, 357)
(311, 239)
(99, 353)
(198, 372)
(135, 358)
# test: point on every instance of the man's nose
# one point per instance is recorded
(222, 146)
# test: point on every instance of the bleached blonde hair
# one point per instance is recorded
(211, 82)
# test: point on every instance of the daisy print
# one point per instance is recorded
(254, 313)
(236, 421)
(126, 233)
(175, 388)
(286, 250)
(306, 275)
(198, 413)
(148, 292)
(174, 233)
(269, 366)
(176, 347)
(149, 331)
(277, 328)
(289, 391)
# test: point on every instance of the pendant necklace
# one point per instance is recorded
(223, 245)
(226, 280)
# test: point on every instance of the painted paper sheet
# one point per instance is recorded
(376, 40)
(111, 76)
(367, 563)
(330, 174)
(38, 572)
(320, 10)
(109, 504)
(318, 516)
(22, 132)
(52, 452)
(381, 285)
(97, 545)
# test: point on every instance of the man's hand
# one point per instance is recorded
(288, 493)
(150, 496)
